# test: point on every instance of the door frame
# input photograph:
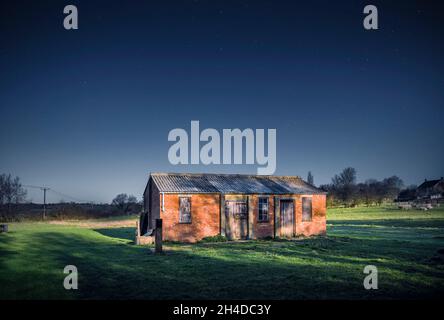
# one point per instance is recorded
(227, 219)
(294, 215)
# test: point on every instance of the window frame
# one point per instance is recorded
(259, 215)
(235, 211)
(180, 213)
(304, 219)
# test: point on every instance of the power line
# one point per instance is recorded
(31, 186)
(59, 193)
(71, 197)
(44, 189)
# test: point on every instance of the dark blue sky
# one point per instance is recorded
(87, 112)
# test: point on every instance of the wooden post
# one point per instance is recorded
(158, 236)
(44, 202)
(137, 232)
(3, 228)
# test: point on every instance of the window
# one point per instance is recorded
(263, 210)
(306, 209)
(184, 210)
(238, 209)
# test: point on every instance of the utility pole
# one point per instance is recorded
(44, 189)
(44, 201)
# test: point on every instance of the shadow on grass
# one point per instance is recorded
(5, 248)
(126, 233)
(250, 270)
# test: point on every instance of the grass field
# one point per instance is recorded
(406, 246)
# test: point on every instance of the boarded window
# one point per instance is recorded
(238, 209)
(306, 209)
(184, 209)
(263, 210)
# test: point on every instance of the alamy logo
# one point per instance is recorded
(232, 139)
(371, 20)
(71, 21)
(71, 280)
(371, 281)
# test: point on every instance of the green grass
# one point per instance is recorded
(406, 246)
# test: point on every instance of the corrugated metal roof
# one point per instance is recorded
(231, 183)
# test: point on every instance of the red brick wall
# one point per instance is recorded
(307, 228)
(205, 218)
(262, 229)
(318, 225)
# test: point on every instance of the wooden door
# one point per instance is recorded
(287, 218)
(236, 214)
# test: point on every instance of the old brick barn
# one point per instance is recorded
(195, 206)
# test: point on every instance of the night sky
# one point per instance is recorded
(87, 112)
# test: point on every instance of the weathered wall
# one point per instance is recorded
(261, 229)
(318, 225)
(205, 221)
(256, 229)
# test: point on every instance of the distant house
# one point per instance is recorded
(195, 206)
(428, 191)
(431, 189)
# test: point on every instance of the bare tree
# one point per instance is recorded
(346, 177)
(132, 199)
(344, 189)
(345, 185)
(124, 203)
(2, 189)
(11, 191)
(392, 186)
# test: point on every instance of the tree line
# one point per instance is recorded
(14, 205)
(342, 191)
(345, 191)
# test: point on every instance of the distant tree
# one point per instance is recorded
(375, 191)
(346, 177)
(344, 185)
(344, 190)
(310, 178)
(11, 191)
(2, 189)
(124, 203)
(407, 195)
(361, 195)
(392, 186)
(132, 199)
